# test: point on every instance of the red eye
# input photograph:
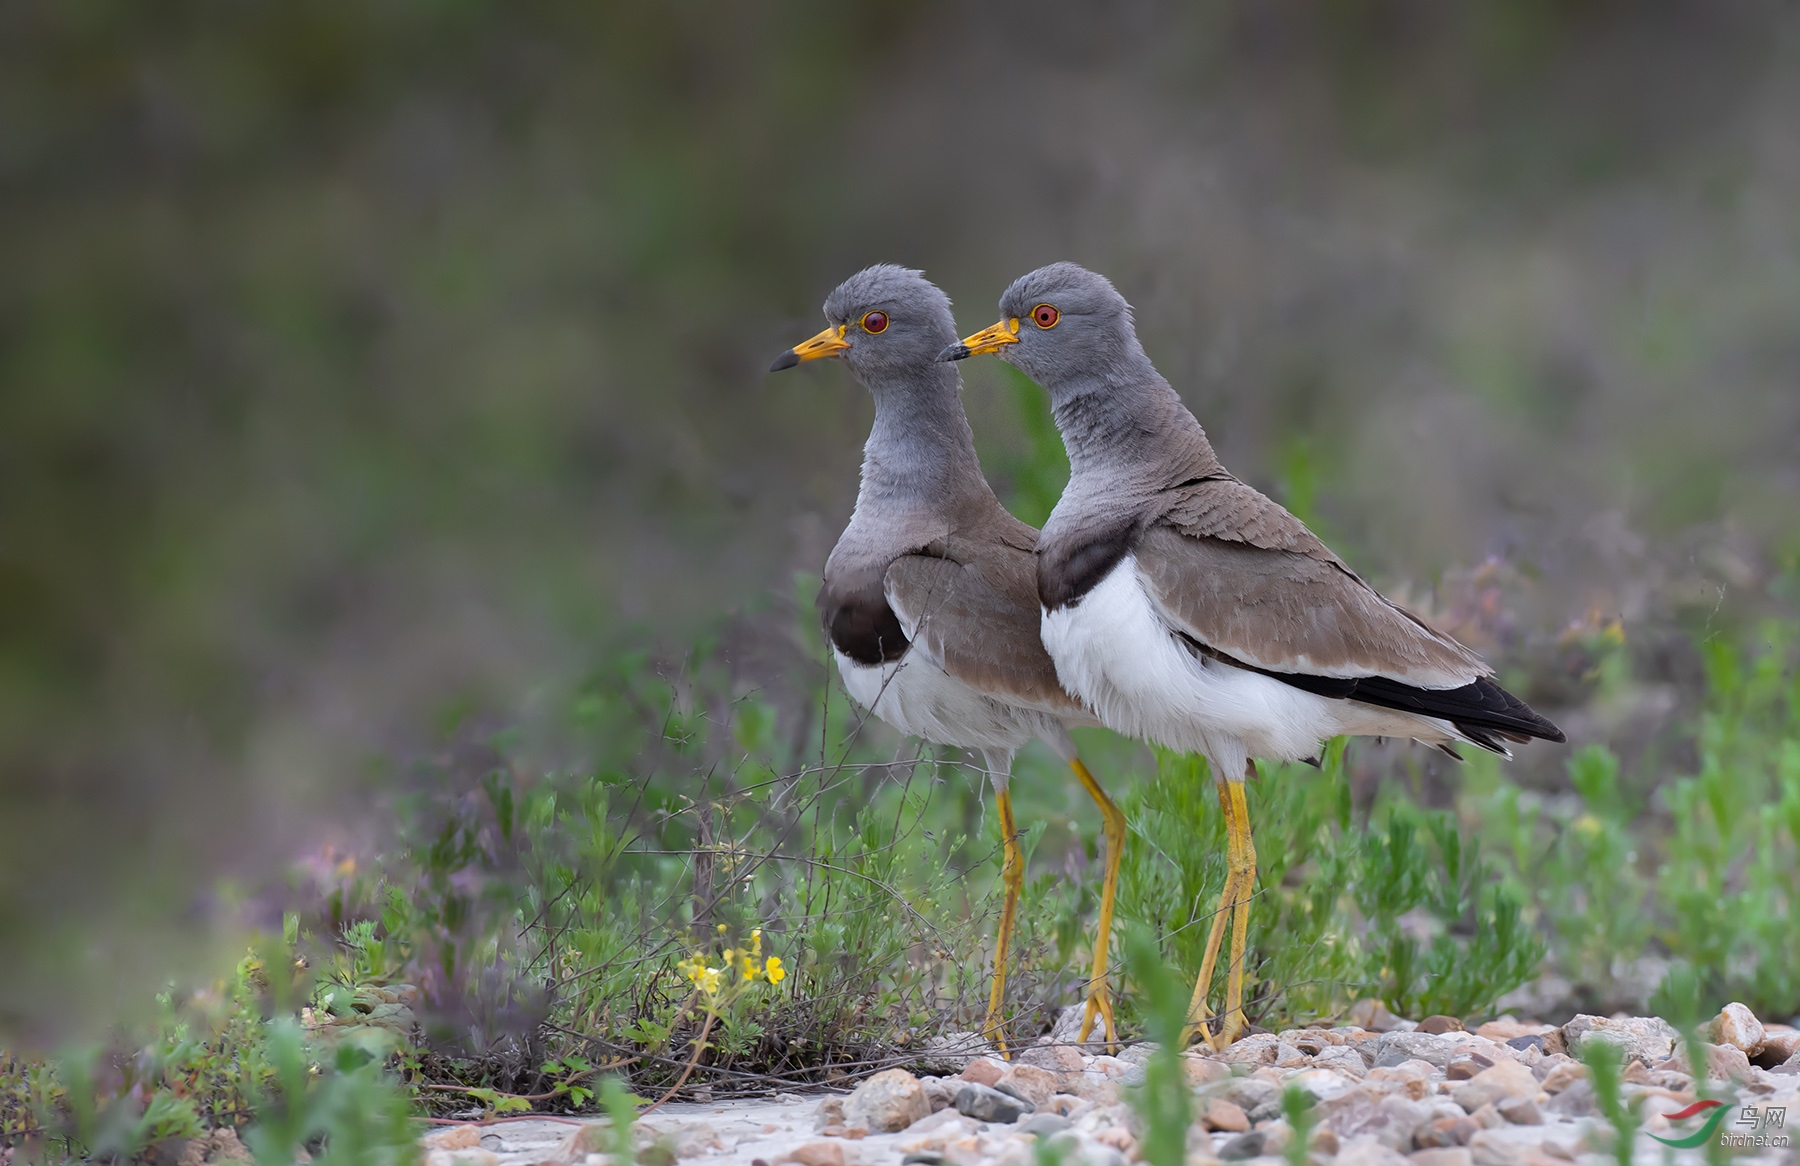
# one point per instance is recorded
(875, 322)
(1045, 316)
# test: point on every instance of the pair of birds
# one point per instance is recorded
(1164, 598)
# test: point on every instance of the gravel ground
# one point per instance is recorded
(1387, 1092)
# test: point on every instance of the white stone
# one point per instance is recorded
(1737, 1026)
(1645, 1038)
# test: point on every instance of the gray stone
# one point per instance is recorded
(1244, 1146)
(1645, 1038)
(1342, 1059)
(1392, 1048)
(1520, 1111)
(1044, 1124)
(985, 1104)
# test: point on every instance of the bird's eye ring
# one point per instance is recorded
(1045, 316)
(875, 322)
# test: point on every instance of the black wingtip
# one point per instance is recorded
(787, 359)
(957, 351)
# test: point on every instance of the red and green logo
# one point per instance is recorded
(1706, 1129)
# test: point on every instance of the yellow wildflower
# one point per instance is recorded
(774, 970)
(756, 940)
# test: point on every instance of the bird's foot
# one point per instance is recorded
(1234, 1027)
(1198, 1026)
(1099, 1004)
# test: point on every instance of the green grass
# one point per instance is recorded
(549, 900)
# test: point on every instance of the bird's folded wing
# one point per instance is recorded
(1267, 593)
(978, 621)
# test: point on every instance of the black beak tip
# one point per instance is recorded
(957, 351)
(787, 359)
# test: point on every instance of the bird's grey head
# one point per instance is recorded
(1058, 324)
(884, 320)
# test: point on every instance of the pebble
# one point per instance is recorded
(886, 1102)
(815, 1154)
(1737, 1026)
(1446, 1098)
(1644, 1038)
(1507, 1079)
(984, 1071)
(1444, 1156)
(1030, 1083)
(1044, 1124)
(1243, 1146)
(1058, 1058)
(1221, 1114)
(986, 1104)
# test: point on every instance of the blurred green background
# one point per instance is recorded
(364, 366)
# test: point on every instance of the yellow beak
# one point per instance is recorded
(985, 341)
(827, 343)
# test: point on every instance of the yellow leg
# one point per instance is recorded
(1243, 868)
(1198, 1013)
(1099, 1000)
(1012, 873)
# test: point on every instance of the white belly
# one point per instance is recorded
(918, 698)
(1115, 651)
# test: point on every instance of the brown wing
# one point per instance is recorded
(1246, 580)
(977, 619)
(1222, 507)
(1244, 577)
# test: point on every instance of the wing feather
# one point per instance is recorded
(1242, 575)
(977, 619)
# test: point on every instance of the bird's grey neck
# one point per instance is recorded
(921, 453)
(1130, 427)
